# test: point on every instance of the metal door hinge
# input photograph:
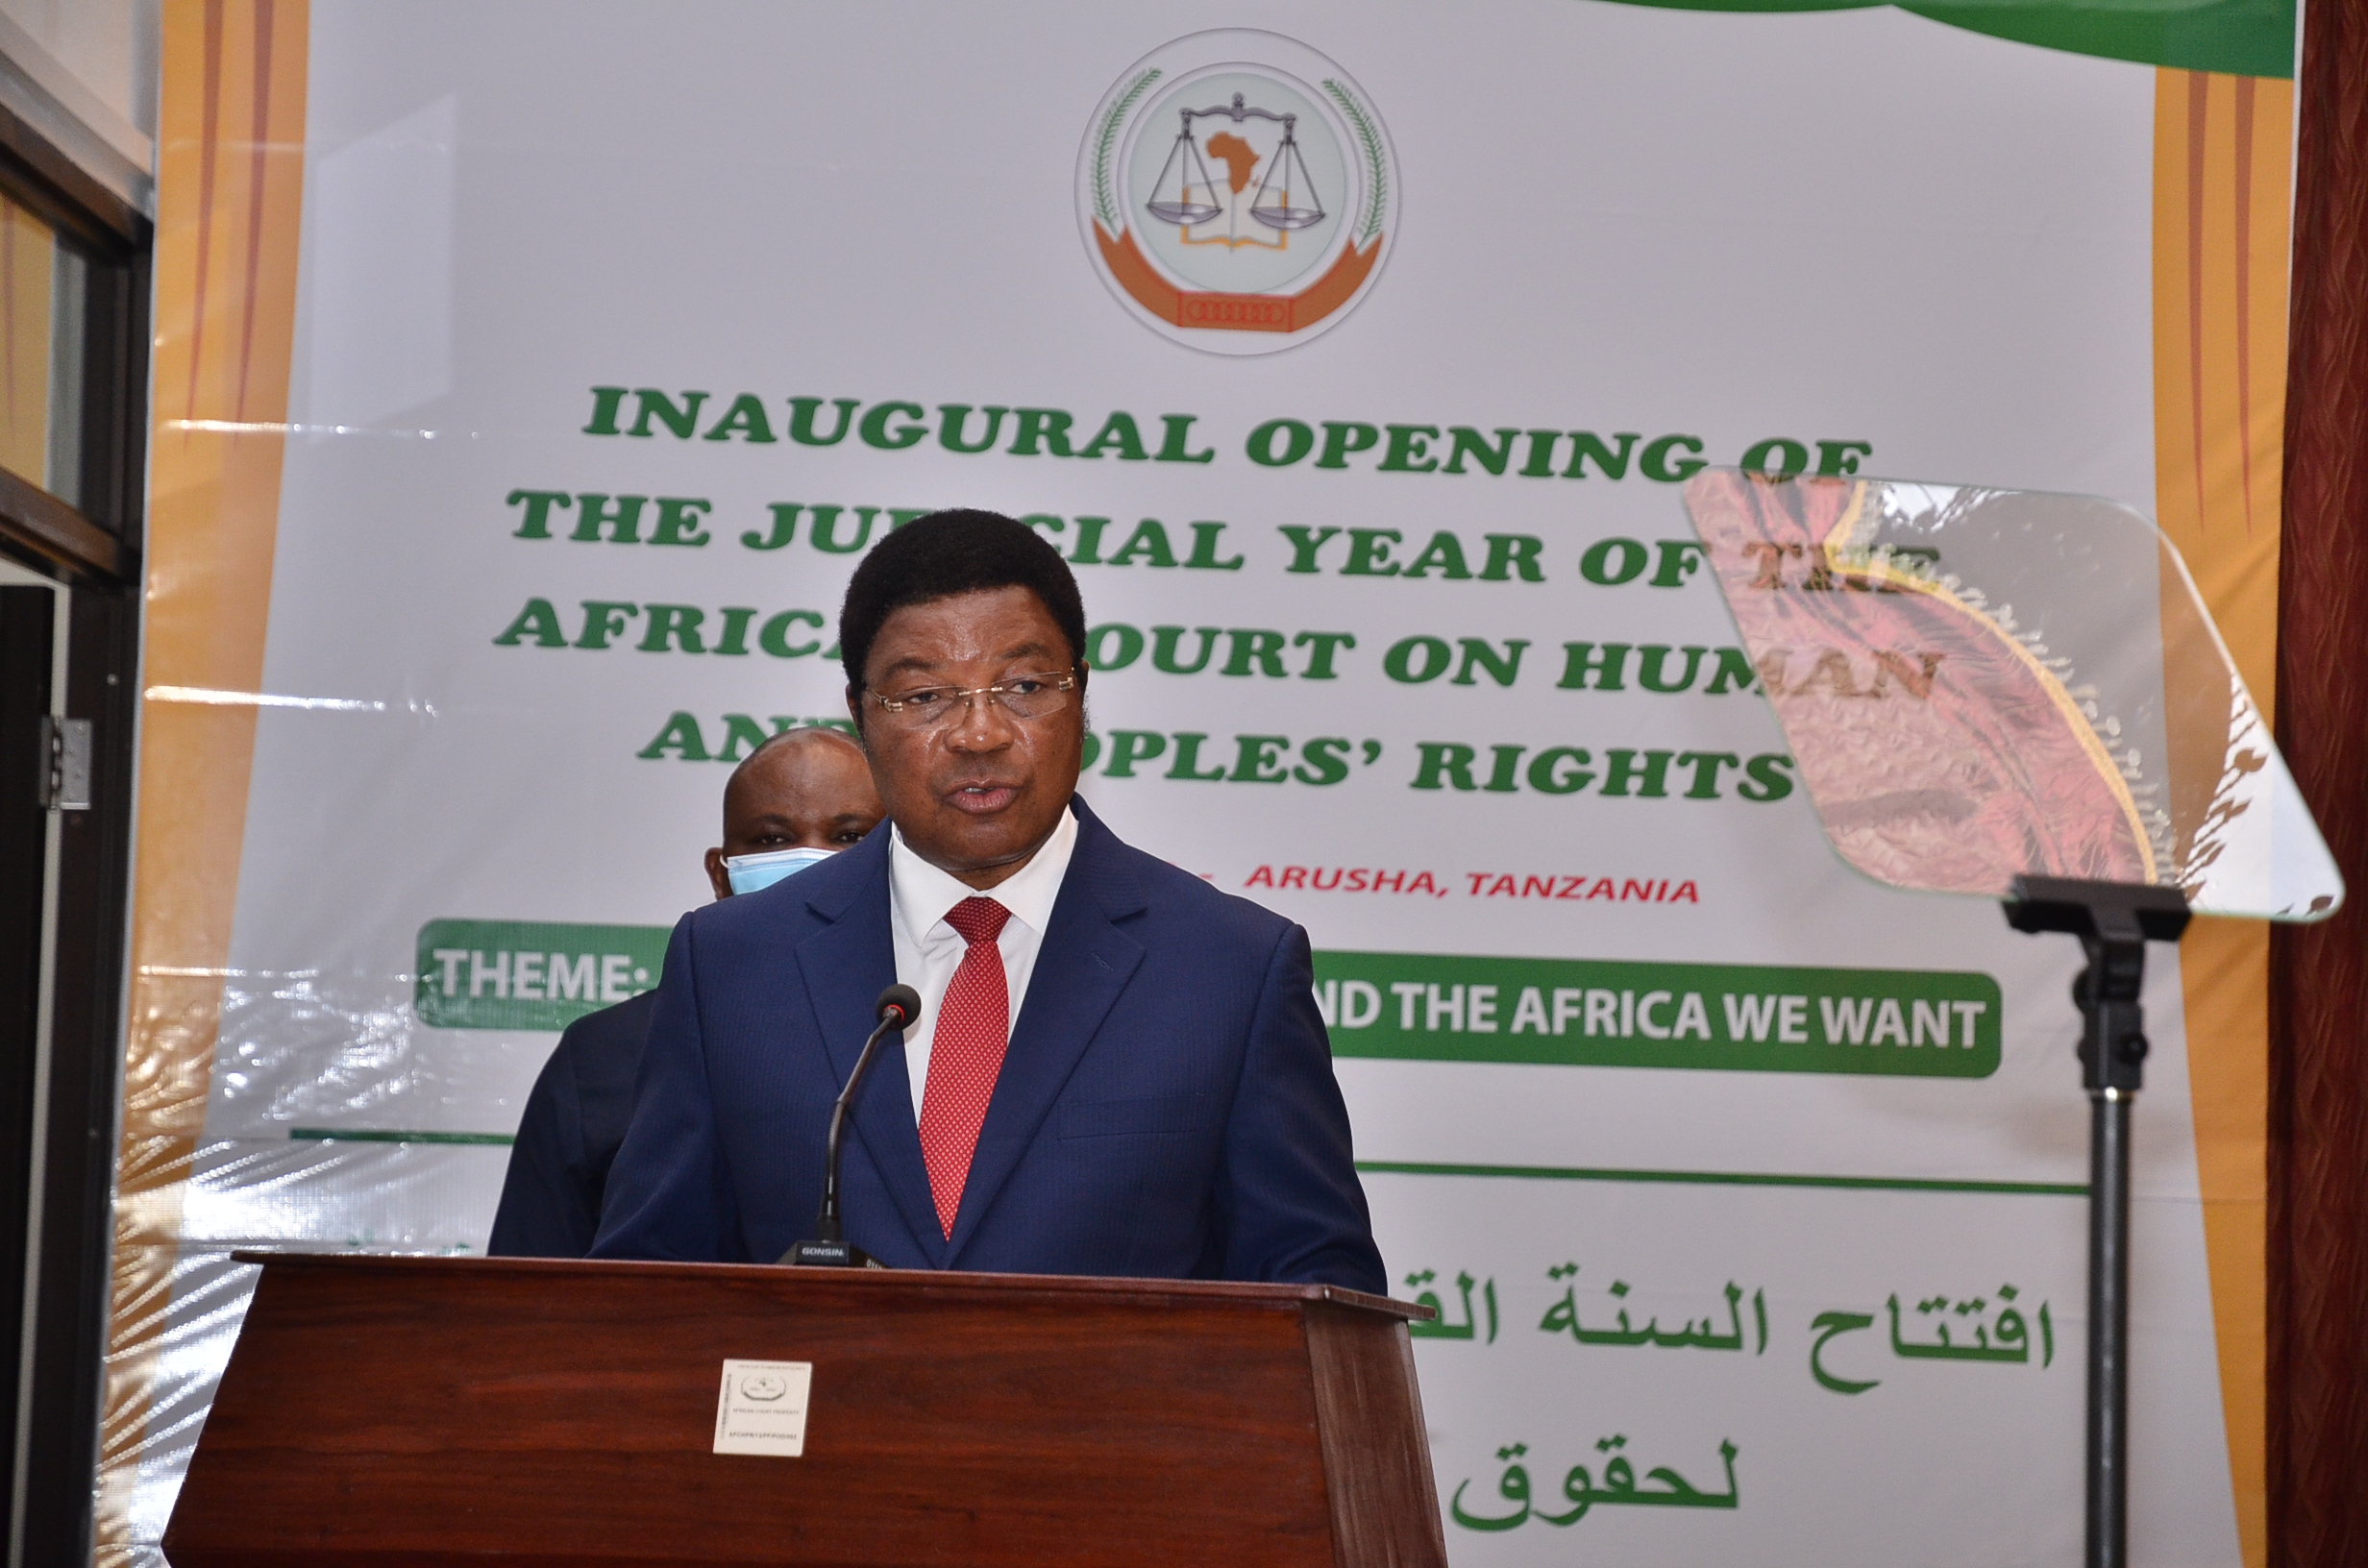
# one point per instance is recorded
(66, 773)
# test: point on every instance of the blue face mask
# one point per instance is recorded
(749, 872)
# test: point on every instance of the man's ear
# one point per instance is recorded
(854, 711)
(719, 877)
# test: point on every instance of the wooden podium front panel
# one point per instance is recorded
(408, 1411)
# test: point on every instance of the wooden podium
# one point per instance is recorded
(412, 1411)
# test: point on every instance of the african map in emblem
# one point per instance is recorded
(1237, 191)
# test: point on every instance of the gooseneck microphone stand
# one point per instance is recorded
(2115, 922)
(897, 1008)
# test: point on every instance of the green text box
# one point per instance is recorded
(530, 974)
(1728, 1018)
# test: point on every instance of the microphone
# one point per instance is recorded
(897, 1009)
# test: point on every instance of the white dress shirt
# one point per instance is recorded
(928, 950)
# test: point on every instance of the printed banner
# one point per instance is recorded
(1354, 360)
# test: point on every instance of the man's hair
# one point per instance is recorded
(801, 736)
(950, 552)
(804, 737)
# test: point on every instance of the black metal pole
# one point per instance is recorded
(2109, 1326)
(2112, 1067)
(2115, 922)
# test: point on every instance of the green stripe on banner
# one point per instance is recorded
(392, 1135)
(2243, 38)
(1722, 1178)
(1733, 1017)
(1410, 1167)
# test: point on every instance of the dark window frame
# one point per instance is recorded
(94, 550)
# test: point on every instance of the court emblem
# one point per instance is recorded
(1237, 191)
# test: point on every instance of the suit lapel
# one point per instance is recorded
(1082, 965)
(844, 965)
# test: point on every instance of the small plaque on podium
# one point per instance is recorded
(761, 1407)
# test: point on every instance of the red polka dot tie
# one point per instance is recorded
(973, 1025)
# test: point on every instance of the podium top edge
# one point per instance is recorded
(948, 1283)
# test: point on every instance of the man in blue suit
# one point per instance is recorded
(800, 797)
(1117, 1069)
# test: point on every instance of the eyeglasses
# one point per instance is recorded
(1022, 697)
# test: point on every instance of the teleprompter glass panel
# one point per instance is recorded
(1980, 683)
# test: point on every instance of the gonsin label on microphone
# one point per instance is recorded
(761, 1407)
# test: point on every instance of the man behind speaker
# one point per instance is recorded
(1117, 1069)
(800, 797)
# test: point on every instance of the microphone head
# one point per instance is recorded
(898, 999)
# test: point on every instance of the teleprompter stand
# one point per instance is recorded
(2098, 764)
(2115, 922)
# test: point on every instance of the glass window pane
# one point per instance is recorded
(44, 298)
(27, 264)
(68, 354)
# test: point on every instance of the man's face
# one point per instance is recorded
(977, 793)
(812, 793)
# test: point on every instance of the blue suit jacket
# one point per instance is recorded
(1165, 1108)
(569, 1133)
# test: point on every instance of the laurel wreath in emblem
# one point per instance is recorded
(1106, 204)
(1368, 139)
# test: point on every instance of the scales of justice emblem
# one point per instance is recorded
(1237, 191)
